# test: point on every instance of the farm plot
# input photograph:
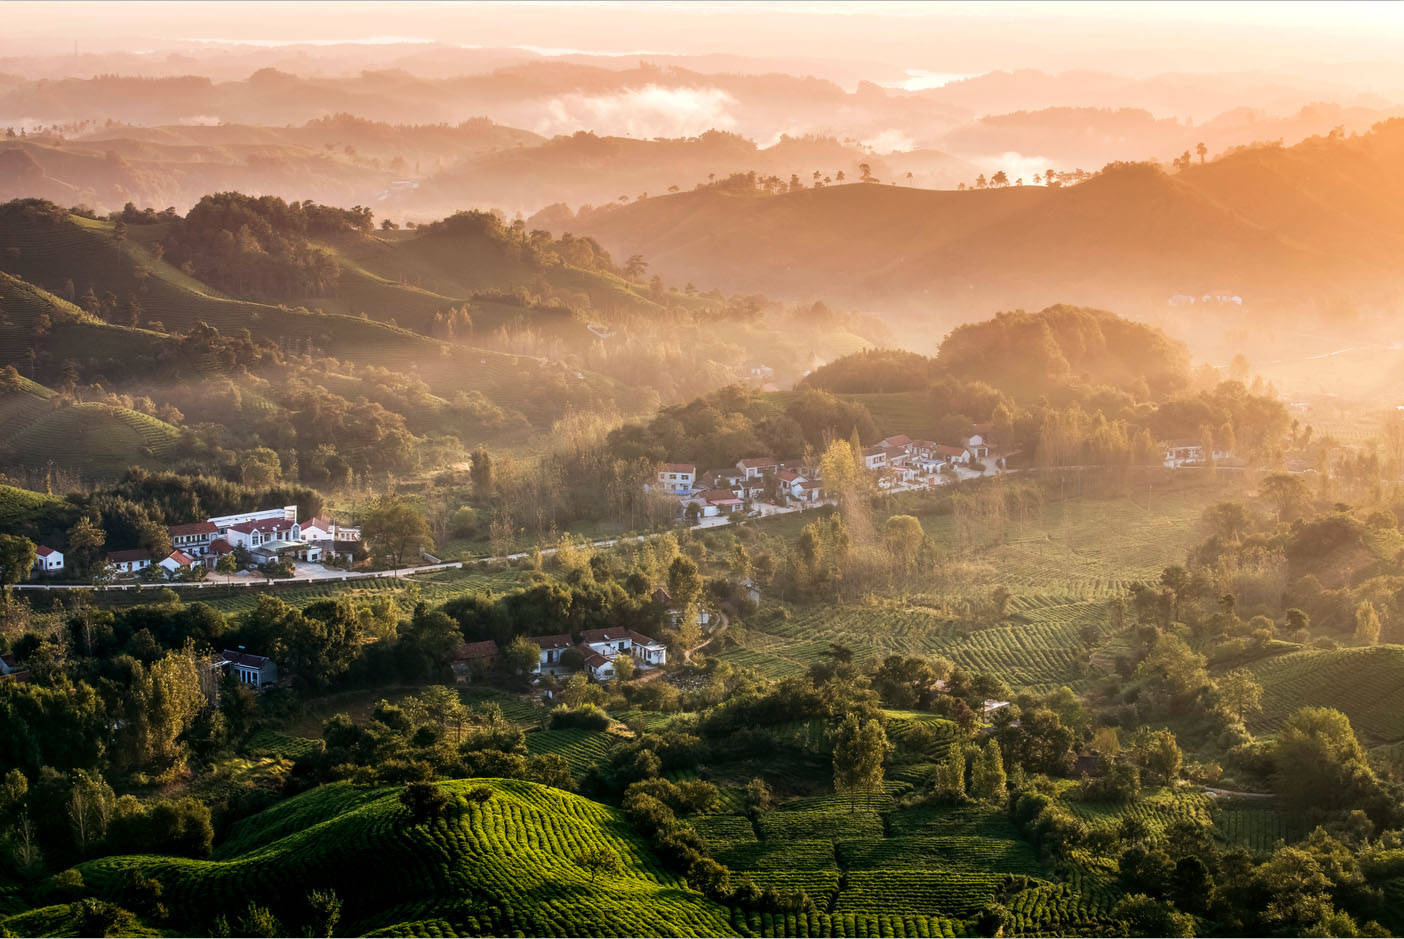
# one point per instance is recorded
(1156, 810)
(844, 924)
(820, 825)
(1365, 684)
(940, 852)
(1256, 825)
(724, 831)
(512, 854)
(580, 748)
(949, 893)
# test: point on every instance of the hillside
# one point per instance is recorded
(499, 867)
(1291, 226)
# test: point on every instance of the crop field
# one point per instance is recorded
(1366, 684)
(1155, 809)
(579, 747)
(96, 437)
(845, 924)
(511, 854)
(953, 893)
(1256, 825)
(940, 852)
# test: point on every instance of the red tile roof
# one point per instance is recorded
(44, 551)
(220, 546)
(235, 657)
(592, 658)
(641, 640)
(679, 468)
(131, 554)
(756, 461)
(180, 557)
(901, 440)
(718, 496)
(604, 635)
(562, 641)
(193, 528)
(476, 650)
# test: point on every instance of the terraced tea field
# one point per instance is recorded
(580, 748)
(1256, 825)
(500, 867)
(1366, 684)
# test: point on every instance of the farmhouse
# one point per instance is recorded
(551, 649)
(1187, 450)
(177, 563)
(757, 466)
(473, 658)
(599, 666)
(256, 671)
(677, 478)
(324, 534)
(193, 539)
(47, 560)
(131, 561)
(724, 500)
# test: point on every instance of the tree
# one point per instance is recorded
(948, 779)
(1286, 492)
(326, 912)
(635, 267)
(425, 800)
(481, 471)
(1202, 150)
(1367, 623)
(17, 557)
(1317, 760)
(757, 796)
(228, 564)
(1000, 179)
(262, 468)
(599, 860)
(396, 529)
(903, 536)
(987, 779)
(87, 543)
(860, 749)
(1241, 694)
(258, 922)
(1159, 752)
(521, 655)
(624, 666)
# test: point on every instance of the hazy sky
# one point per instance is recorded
(945, 38)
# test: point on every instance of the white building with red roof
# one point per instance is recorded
(176, 563)
(47, 560)
(677, 478)
(194, 538)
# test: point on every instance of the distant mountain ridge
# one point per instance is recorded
(1272, 225)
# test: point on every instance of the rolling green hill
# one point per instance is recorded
(499, 867)
(95, 438)
(1364, 683)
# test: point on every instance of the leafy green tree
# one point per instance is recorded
(326, 912)
(1240, 694)
(987, 778)
(258, 922)
(228, 564)
(1318, 763)
(948, 779)
(1367, 623)
(860, 749)
(1144, 916)
(597, 860)
(395, 529)
(87, 543)
(425, 800)
(903, 537)
(1158, 752)
(521, 656)
(17, 557)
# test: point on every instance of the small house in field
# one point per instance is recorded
(256, 671)
(47, 560)
(130, 561)
(724, 500)
(472, 659)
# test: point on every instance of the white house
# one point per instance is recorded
(256, 671)
(131, 561)
(600, 666)
(328, 535)
(176, 563)
(1187, 450)
(551, 649)
(757, 466)
(47, 560)
(193, 539)
(224, 522)
(612, 643)
(269, 539)
(724, 500)
(677, 478)
(874, 458)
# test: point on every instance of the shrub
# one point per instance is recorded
(589, 717)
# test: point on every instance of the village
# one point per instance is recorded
(268, 540)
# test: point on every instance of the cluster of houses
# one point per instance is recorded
(596, 654)
(268, 536)
(897, 462)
